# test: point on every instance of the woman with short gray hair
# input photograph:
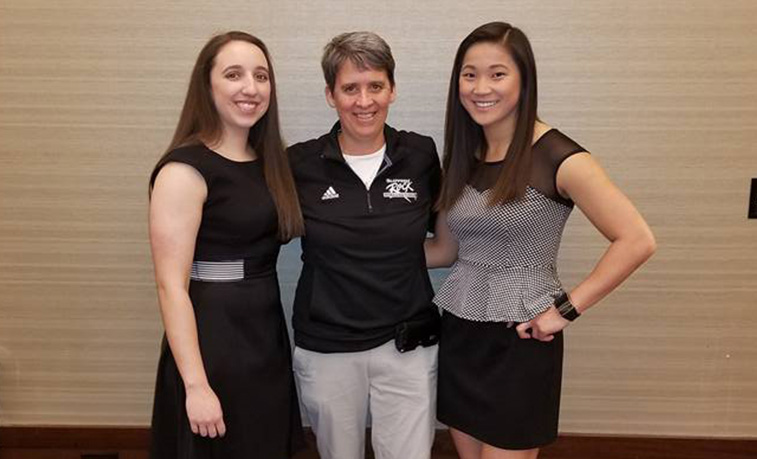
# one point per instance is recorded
(365, 329)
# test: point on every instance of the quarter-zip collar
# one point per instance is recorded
(332, 150)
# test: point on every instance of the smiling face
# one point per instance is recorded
(240, 85)
(361, 98)
(490, 85)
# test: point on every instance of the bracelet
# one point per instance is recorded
(566, 308)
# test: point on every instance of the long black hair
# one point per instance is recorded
(464, 140)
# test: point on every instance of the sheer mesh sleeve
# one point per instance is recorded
(549, 152)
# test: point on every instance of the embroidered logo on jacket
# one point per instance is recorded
(329, 194)
(400, 188)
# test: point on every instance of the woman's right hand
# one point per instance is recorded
(204, 412)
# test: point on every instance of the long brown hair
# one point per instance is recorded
(464, 140)
(199, 123)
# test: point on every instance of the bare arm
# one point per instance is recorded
(175, 214)
(581, 179)
(441, 250)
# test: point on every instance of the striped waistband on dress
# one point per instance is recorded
(230, 270)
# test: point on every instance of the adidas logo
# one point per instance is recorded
(329, 194)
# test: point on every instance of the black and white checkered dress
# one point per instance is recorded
(506, 268)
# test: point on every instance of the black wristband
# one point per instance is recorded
(566, 308)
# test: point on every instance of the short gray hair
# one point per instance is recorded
(365, 50)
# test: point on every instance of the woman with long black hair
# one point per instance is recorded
(511, 182)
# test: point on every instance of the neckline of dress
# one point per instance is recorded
(533, 146)
(233, 161)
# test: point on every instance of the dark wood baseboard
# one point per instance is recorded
(613, 447)
(88, 437)
(133, 443)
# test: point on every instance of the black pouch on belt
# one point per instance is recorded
(423, 331)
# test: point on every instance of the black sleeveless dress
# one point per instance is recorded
(241, 329)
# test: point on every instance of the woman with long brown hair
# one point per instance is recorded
(222, 202)
(511, 182)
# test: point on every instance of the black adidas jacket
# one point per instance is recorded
(364, 269)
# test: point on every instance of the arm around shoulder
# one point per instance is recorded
(441, 249)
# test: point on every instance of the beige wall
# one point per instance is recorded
(664, 94)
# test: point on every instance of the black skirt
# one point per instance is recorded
(497, 387)
(246, 353)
